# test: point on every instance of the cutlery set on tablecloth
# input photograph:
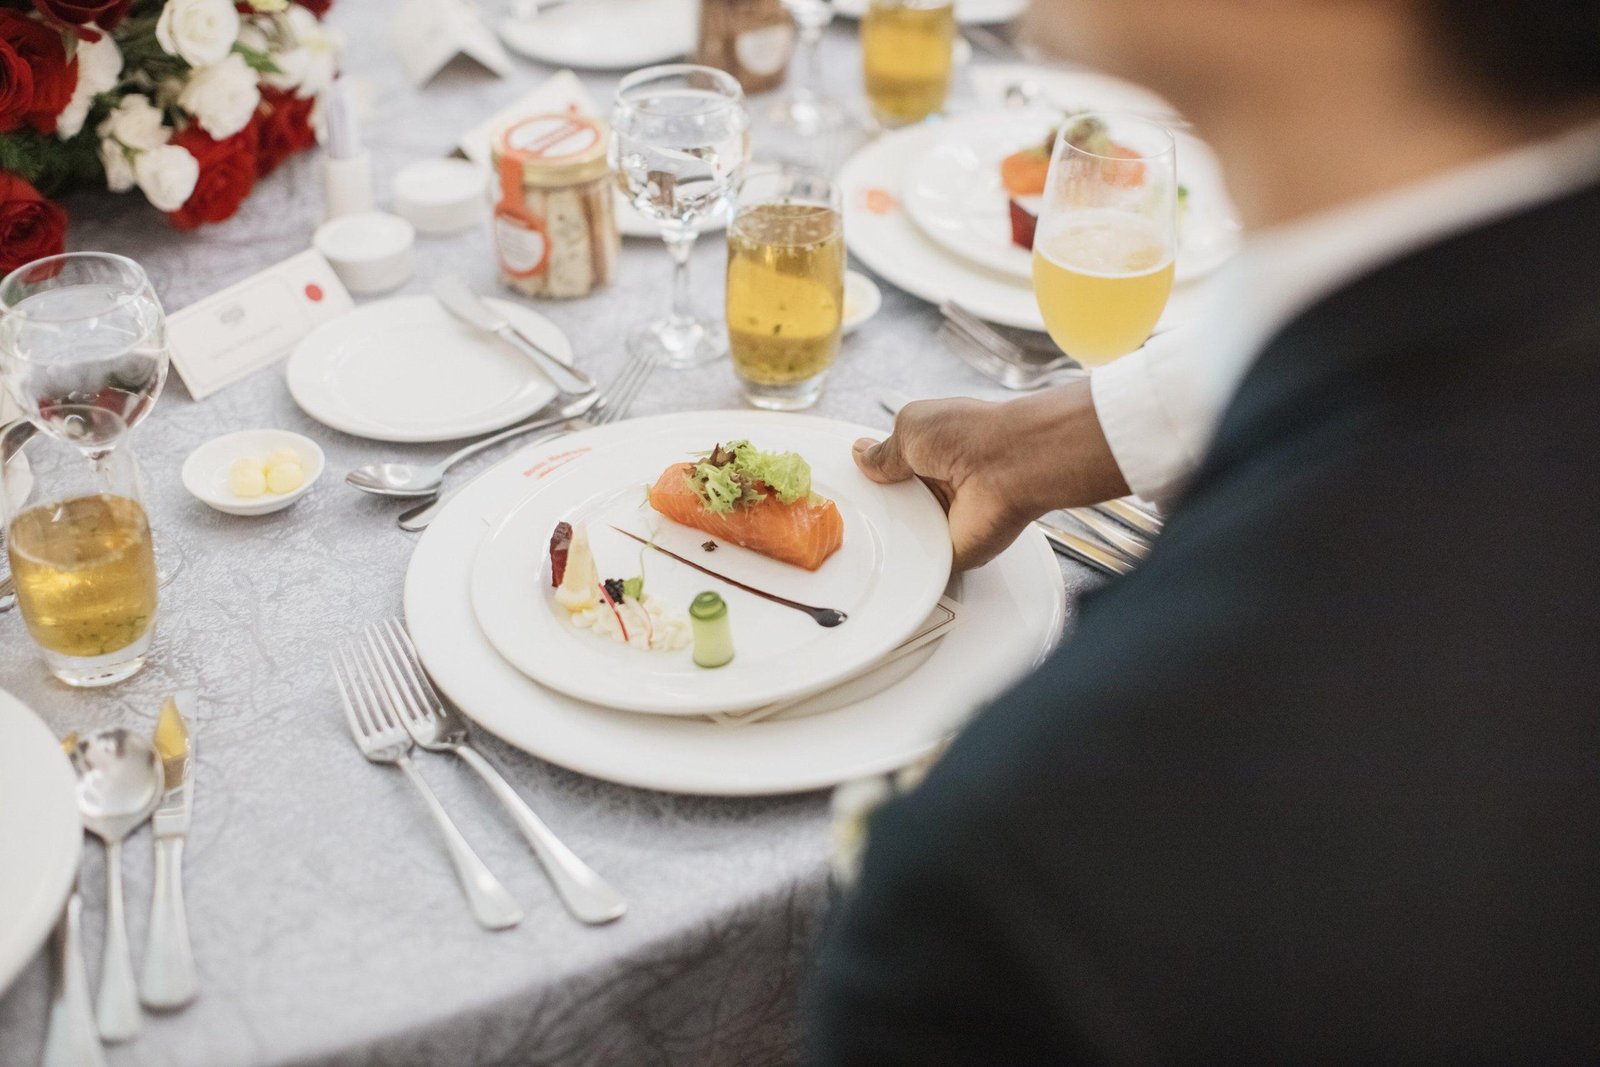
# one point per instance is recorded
(125, 780)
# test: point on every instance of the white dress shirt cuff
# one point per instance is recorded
(1137, 417)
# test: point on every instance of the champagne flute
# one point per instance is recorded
(680, 139)
(78, 331)
(1107, 234)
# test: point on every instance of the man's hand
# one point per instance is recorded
(997, 467)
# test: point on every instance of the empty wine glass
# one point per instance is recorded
(807, 109)
(679, 148)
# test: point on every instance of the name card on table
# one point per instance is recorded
(247, 326)
(428, 34)
(561, 93)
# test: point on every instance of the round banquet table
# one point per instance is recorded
(327, 926)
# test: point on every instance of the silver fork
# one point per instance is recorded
(381, 738)
(437, 727)
(999, 369)
(613, 405)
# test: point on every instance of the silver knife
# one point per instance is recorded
(169, 978)
(465, 305)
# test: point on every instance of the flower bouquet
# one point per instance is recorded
(190, 101)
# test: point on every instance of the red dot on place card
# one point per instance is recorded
(314, 293)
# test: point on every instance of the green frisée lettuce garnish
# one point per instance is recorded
(738, 474)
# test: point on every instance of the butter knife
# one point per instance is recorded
(169, 978)
(465, 305)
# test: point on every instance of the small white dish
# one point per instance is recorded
(441, 196)
(205, 472)
(862, 299)
(370, 251)
(605, 34)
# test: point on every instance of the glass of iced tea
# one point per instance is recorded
(786, 263)
(80, 548)
(906, 52)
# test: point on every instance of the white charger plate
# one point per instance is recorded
(968, 12)
(882, 236)
(955, 195)
(40, 834)
(605, 34)
(886, 576)
(405, 369)
(1011, 616)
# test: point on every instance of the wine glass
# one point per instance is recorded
(807, 110)
(78, 331)
(679, 147)
(1107, 235)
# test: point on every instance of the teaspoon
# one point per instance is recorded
(119, 785)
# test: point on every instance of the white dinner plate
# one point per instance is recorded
(1011, 616)
(405, 369)
(955, 195)
(605, 34)
(882, 236)
(968, 12)
(40, 835)
(886, 576)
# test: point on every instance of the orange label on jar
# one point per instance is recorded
(519, 234)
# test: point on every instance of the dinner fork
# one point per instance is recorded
(613, 405)
(437, 727)
(999, 369)
(381, 738)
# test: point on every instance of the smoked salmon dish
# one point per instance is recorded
(757, 500)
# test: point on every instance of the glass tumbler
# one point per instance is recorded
(785, 300)
(907, 50)
(79, 546)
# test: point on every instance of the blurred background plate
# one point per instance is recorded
(970, 12)
(605, 34)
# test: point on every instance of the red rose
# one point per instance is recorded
(227, 174)
(318, 8)
(283, 126)
(31, 227)
(107, 14)
(36, 78)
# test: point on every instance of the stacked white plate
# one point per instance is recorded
(478, 605)
(925, 209)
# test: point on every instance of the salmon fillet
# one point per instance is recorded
(803, 533)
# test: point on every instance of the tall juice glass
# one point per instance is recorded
(906, 54)
(1107, 234)
(786, 263)
(79, 545)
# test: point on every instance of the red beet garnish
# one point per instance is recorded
(1023, 224)
(560, 541)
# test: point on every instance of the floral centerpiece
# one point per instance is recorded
(188, 101)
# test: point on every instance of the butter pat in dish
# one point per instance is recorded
(253, 472)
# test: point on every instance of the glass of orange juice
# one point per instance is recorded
(1107, 235)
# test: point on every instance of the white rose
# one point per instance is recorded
(166, 175)
(222, 97)
(119, 169)
(136, 123)
(311, 62)
(199, 31)
(99, 68)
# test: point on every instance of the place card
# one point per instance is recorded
(247, 326)
(428, 34)
(561, 92)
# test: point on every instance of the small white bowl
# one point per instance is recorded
(861, 300)
(442, 196)
(205, 472)
(370, 252)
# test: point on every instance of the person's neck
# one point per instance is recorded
(1324, 150)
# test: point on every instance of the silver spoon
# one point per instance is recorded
(119, 786)
(404, 479)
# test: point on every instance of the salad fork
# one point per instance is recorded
(437, 727)
(611, 407)
(380, 737)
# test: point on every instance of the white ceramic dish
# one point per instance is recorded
(371, 252)
(404, 369)
(40, 835)
(886, 577)
(442, 196)
(862, 299)
(205, 472)
(1012, 614)
(605, 34)
(968, 12)
(1068, 90)
(954, 195)
(882, 237)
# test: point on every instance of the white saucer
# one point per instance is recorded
(404, 369)
(605, 34)
(206, 471)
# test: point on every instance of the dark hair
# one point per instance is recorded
(1528, 51)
